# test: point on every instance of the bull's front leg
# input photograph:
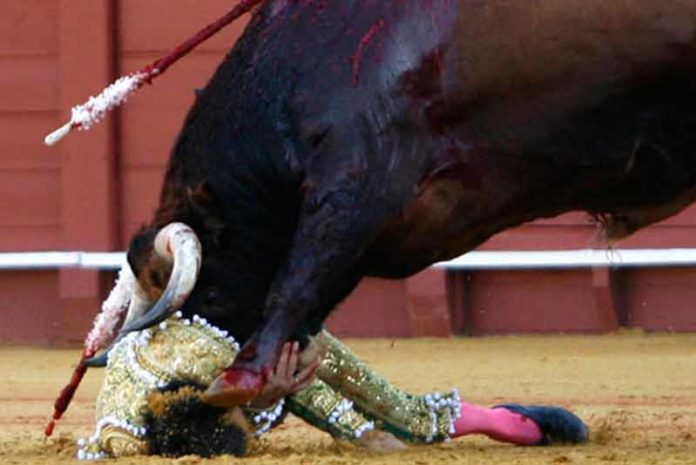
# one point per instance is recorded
(323, 266)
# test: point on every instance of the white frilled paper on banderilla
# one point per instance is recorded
(95, 109)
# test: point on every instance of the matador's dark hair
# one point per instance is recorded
(179, 423)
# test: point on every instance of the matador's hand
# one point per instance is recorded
(284, 379)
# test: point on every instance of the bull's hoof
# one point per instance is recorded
(234, 387)
(557, 424)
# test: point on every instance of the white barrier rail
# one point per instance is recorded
(563, 259)
(15, 261)
(476, 260)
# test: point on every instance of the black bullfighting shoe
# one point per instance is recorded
(558, 425)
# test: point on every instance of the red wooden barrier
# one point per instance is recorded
(95, 189)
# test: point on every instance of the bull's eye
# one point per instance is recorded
(211, 295)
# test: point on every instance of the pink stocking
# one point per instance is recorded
(498, 423)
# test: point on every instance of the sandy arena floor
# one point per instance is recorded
(637, 392)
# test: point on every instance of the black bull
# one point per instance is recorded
(343, 139)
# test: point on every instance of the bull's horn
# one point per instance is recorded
(139, 305)
(126, 294)
(127, 290)
(177, 243)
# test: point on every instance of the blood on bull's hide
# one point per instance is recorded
(343, 139)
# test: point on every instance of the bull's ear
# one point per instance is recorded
(151, 271)
(141, 249)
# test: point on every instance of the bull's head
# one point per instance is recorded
(165, 263)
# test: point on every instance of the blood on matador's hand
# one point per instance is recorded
(285, 379)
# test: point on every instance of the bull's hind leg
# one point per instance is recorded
(322, 268)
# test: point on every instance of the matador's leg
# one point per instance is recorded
(436, 417)
(323, 407)
(420, 419)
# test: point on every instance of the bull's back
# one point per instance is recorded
(524, 78)
(304, 65)
(494, 72)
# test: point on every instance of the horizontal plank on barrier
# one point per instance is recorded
(476, 260)
(563, 259)
(17, 261)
